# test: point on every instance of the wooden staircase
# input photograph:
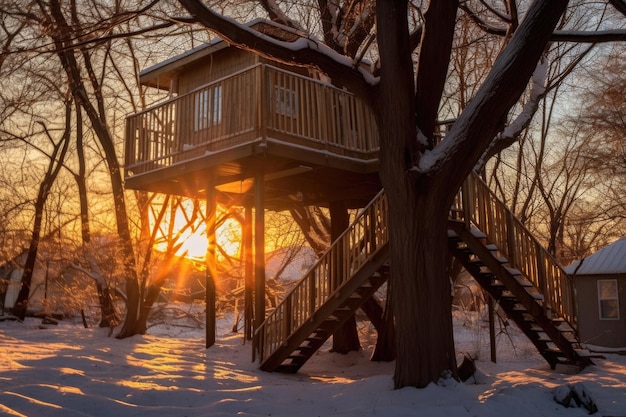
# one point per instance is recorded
(492, 245)
(513, 267)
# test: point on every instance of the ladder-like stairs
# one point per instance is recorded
(349, 273)
(484, 236)
(523, 303)
(304, 342)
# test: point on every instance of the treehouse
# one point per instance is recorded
(243, 130)
(234, 116)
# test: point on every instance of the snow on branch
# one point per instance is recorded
(483, 118)
(597, 36)
(511, 132)
(537, 92)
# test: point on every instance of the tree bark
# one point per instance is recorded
(64, 41)
(421, 290)
(382, 319)
(108, 317)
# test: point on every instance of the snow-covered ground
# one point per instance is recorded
(69, 371)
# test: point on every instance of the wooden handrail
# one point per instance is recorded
(215, 116)
(482, 208)
(367, 234)
(256, 103)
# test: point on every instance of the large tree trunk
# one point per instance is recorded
(418, 215)
(108, 318)
(420, 288)
(64, 45)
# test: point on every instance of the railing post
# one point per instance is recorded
(510, 231)
(129, 150)
(541, 276)
(261, 101)
(312, 293)
(288, 316)
(466, 201)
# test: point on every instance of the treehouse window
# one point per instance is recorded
(285, 101)
(208, 108)
(608, 301)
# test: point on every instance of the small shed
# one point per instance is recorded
(600, 282)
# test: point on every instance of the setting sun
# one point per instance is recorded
(189, 231)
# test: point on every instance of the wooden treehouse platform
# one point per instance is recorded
(309, 141)
(305, 141)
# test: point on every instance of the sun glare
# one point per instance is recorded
(194, 240)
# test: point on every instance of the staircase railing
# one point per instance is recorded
(476, 204)
(367, 234)
(482, 208)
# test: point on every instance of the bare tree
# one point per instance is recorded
(57, 158)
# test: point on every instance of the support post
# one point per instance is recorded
(346, 338)
(492, 328)
(210, 262)
(248, 273)
(259, 250)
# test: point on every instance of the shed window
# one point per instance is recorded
(208, 108)
(608, 300)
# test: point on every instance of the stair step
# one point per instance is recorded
(316, 339)
(296, 356)
(562, 325)
(543, 337)
(288, 368)
(477, 233)
(513, 271)
(523, 281)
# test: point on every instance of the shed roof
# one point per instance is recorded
(608, 260)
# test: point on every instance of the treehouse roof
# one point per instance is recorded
(160, 74)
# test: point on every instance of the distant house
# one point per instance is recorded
(10, 281)
(600, 282)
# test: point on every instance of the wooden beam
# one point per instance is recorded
(259, 250)
(248, 273)
(210, 262)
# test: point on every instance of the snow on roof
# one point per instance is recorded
(264, 25)
(608, 260)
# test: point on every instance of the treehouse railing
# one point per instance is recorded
(352, 250)
(259, 103)
(482, 209)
